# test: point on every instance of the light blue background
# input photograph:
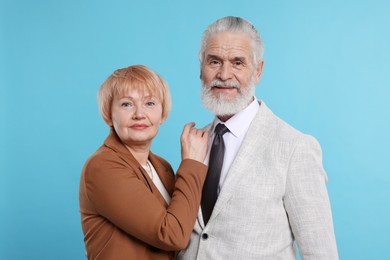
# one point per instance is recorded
(326, 72)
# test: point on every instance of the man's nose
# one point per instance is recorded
(225, 72)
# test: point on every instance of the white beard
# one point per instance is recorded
(219, 105)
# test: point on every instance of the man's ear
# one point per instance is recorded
(259, 70)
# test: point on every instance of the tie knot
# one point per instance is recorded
(221, 129)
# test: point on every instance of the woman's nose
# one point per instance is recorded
(138, 112)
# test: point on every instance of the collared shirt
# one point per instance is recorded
(238, 126)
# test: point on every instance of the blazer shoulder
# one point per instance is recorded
(280, 129)
(104, 158)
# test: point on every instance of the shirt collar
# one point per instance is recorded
(239, 123)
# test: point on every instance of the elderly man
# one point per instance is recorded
(265, 190)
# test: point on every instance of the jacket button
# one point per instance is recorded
(205, 236)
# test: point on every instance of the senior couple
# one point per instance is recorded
(249, 185)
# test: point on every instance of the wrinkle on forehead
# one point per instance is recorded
(229, 45)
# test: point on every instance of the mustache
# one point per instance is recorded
(227, 83)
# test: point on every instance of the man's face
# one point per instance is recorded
(228, 73)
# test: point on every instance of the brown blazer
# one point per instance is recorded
(124, 216)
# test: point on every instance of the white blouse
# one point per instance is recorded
(157, 181)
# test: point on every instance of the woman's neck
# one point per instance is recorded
(140, 153)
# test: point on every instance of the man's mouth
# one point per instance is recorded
(223, 87)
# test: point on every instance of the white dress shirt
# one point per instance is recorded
(238, 126)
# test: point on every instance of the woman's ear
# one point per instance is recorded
(109, 122)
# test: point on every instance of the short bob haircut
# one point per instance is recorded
(138, 78)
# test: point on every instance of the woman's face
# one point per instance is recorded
(136, 117)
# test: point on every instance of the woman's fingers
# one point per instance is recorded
(196, 131)
(193, 143)
(187, 128)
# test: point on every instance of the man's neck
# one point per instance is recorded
(224, 118)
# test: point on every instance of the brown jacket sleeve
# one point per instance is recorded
(116, 191)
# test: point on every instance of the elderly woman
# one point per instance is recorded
(132, 205)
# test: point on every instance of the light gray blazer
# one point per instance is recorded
(274, 196)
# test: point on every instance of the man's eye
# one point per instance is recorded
(238, 63)
(215, 62)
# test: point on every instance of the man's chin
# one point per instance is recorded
(223, 104)
(222, 107)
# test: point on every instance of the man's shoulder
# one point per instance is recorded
(207, 127)
(276, 126)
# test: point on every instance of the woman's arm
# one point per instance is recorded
(116, 192)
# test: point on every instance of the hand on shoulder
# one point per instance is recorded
(194, 143)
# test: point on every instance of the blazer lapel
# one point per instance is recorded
(253, 145)
(165, 174)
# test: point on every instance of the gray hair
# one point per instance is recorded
(234, 24)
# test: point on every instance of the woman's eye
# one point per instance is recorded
(126, 104)
(150, 103)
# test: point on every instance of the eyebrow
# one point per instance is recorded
(240, 59)
(216, 57)
(213, 57)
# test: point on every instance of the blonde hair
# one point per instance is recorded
(139, 78)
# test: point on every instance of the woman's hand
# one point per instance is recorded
(194, 143)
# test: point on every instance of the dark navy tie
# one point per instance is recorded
(210, 187)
